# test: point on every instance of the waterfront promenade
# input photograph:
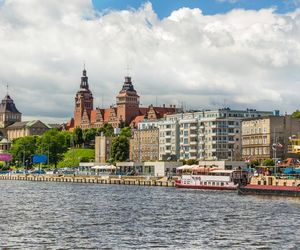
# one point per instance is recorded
(122, 180)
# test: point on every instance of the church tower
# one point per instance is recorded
(9, 114)
(83, 102)
(127, 102)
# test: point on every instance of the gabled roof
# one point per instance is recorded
(28, 124)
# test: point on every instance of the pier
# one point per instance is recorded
(113, 180)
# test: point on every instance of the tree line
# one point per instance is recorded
(55, 144)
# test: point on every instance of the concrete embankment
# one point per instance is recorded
(123, 180)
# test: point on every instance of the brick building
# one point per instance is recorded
(127, 109)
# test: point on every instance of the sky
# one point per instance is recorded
(200, 54)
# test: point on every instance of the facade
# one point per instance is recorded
(268, 137)
(9, 114)
(127, 109)
(21, 129)
(102, 149)
(203, 135)
(225, 165)
(157, 169)
(144, 145)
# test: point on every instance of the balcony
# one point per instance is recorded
(193, 142)
(193, 127)
(193, 135)
(193, 150)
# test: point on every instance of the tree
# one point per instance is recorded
(54, 141)
(78, 137)
(23, 148)
(191, 162)
(269, 162)
(296, 114)
(254, 163)
(126, 131)
(106, 130)
(120, 149)
(89, 135)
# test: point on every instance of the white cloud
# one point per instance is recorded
(246, 58)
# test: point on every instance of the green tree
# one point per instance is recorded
(120, 149)
(78, 137)
(191, 162)
(89, 136)
(126, 131)
(269, 162)
(23, 148)
(296, 114)
(107, 130)
(254, 163)
(54, 141)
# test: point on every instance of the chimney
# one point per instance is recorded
(164, 105)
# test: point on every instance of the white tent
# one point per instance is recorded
(97, 167)
(184, 167)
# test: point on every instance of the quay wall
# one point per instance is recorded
(123, 180)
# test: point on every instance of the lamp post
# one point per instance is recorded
(24, 152)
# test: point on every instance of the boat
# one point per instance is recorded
(283, 185)
(212, 178)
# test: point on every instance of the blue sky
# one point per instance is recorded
(164, 7)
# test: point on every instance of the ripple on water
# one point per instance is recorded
(38, 215)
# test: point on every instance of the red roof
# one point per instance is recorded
(137, 120)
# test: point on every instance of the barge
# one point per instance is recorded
(271, 185)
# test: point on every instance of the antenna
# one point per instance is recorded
(6, 89)
(127, 70)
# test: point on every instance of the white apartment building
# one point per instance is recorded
(203, 135)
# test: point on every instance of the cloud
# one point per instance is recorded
(244, 58)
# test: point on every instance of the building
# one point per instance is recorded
(21, 129)
(5, 145)
(202, 135)
(226, 165)
(9, 114)
(126, 111)
(157, 169)
(268, 137)
(144, 145)
(102, 149)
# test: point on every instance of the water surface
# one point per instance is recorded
(46, 215)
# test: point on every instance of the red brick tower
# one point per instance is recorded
(128, 102)
(83, 101)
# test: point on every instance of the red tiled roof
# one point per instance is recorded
(137, 120)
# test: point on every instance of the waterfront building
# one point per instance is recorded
(27, 128)
(268, 137)
(127, 109)
(102, 149)
(225, 165)
(202, 135)
(144, 145)
(152, 168)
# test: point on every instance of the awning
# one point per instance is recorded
(184, 167)
(105, 167)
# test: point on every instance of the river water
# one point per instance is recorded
(41, 215)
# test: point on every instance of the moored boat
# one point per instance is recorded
(272, 185)
(212, 178)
